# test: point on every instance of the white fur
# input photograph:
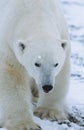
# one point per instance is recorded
(41, 27)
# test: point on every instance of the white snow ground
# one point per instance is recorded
(74, 13)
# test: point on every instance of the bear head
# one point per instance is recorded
(43, 60)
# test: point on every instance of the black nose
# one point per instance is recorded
(47, 88)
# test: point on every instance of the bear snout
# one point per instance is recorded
(47, 88)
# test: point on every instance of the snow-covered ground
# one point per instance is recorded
(74, 13)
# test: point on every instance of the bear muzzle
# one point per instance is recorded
(47, 88)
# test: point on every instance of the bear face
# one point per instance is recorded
(43, 61)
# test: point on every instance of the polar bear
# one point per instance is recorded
(34, 61)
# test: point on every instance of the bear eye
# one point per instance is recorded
(22, 46)
(63, 45)
(37, 64)
(56, 65)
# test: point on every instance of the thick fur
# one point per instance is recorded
(41, 26)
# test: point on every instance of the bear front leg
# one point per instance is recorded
(50, 108)
(15, 104)
(16, 114)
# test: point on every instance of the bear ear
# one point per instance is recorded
(18, 48)
(21, 45)
(64, 45)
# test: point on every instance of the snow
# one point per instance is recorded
(74, 13)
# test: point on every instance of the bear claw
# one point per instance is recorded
(38, 128)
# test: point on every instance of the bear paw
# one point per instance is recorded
(51, 114)
(28, 126)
